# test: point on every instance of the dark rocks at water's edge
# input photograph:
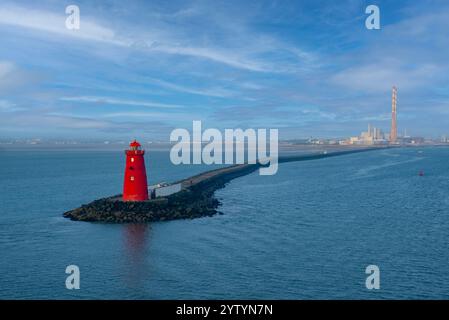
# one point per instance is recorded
(110, 210)
(192, 202)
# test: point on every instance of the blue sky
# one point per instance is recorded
(143, 68)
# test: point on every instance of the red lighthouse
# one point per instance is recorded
(135, 186)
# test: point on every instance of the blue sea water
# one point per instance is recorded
(307, 232)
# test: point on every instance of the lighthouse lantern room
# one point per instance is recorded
(135, 187)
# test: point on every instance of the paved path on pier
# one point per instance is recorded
(191, 181)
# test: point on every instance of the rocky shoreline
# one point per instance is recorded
(194, 201)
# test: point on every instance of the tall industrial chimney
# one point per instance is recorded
(394, 125)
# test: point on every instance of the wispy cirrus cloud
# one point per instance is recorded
(211, 92)
(239, 55)
(13, 77)
(254, 62)
(6, 67)
(48, 21)
(115, 101)
(372, 78)
(24, 121)
(7, 106)
(216, 55)
(163, 116)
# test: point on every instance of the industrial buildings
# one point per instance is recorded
(375, 136)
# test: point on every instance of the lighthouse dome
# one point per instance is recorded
(134, 144)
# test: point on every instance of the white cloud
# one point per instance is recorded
(411, 54)
(107, 100)
(6, 105)
(219, 55)
(74, 122)
(55, 23)
(382, 76)
(12, 77)
(5, 68)
(90, 30)
(237, 53)
(212, 92)
(6, 72)
(153, 115)
(24, 121)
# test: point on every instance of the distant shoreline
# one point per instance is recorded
(283, 147)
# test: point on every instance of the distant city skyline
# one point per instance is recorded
(143, 68)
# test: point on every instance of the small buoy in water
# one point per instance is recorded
(421, 173)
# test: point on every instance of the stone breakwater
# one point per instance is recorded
(196, 199)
